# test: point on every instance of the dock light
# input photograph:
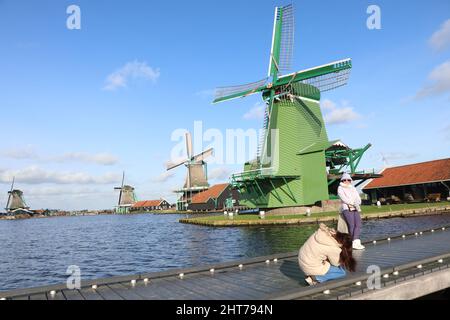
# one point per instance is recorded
(308, 212)
(94, 286)
(432, 230)
(440, 260)
(443, 228)
(421, 233)
(267, 261)
(181, 275)
(419, 266)
(358, 283)
(403, 236)
(275, 260)
(133, 282)
(374, 241)
(388, 239)
(211, 270)
(262, 214)
(225, 213)
(395, 273)
(416, 234)
(386, 276)
(240, 266)
(327, 291)
(145, 280)
(3, 299)
(52, 293)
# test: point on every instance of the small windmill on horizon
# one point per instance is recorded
(196, 176)
(127, 197)
(16, 202)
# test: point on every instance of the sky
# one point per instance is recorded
(79, 106)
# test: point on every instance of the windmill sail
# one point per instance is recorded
(10, 193)
(287, 39)
(233, 92)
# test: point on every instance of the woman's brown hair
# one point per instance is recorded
(346, 258)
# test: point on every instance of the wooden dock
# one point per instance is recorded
(400, 259)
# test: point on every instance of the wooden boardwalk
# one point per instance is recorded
(270, 277)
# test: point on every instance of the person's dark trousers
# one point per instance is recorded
(353, 219)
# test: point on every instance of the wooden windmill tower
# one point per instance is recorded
(291, 166)
(127, 197)
(196, 175)
(16, 202)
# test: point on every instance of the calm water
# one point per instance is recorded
(38, 251)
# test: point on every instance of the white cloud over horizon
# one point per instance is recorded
(256, 113)
(220, 173)
(439, 80)
(131, 71)
(164, 177)
(338, 114)
(441, 38)
(37, 175)
(29, 153)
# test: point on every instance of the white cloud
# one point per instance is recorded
(256, 113)
(441, 38)
(388, 156)
(440, 78)
(131, 71)
(28, 153)
(206, 94)
(338, 114)
(37, 175)
(221, 173)
(164, 177)
(105, 159)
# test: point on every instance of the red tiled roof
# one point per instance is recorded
(213, 192)
(147, 203)
(425, 172)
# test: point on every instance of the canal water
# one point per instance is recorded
(37, 252)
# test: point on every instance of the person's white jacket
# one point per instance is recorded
(349, 197)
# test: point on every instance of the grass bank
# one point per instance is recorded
(368, 212)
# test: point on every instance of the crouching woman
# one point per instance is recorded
(326, 255)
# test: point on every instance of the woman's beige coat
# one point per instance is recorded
(319, 251)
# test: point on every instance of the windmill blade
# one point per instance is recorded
(172, 165)
(121, 188)
(10, 193)
(312, 119)
(287, 39)
(189, 145)
(325, 78)
(204, 155)
(240, 91)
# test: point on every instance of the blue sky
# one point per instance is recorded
(80, 106)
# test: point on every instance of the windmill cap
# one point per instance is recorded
(346, 176)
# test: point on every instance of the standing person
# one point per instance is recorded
(351, 208)
(326, 255)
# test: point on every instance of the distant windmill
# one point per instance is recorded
(127, 197)
(196, 176)
(15, 201)
(384, 159)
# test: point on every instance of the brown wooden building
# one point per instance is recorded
(150, 205)
(216, 198)
(426, 181)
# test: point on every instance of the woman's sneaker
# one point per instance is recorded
(310, 281)
(357, 245)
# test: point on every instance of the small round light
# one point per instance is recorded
(403, 236)
(94, 286)
(275, 260)
(133, 282)
(374, 241)
(181, 275)
(52, 293)
(146, 280)
(432, 230)
(3, 299)
(441, 260)
(419, 266)
(395, 273)
(211, 270)
(240, 266)
(358, 283)
(443, 228)
(421, 233)
(386, 276)
(388, 239)
(267, 261)
(327, 291)
(416, 234)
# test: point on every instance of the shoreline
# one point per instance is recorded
(286, 221)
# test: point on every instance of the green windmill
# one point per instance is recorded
(296, 163)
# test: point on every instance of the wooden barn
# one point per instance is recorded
(426, 181)
(150, 205)
(215, 198)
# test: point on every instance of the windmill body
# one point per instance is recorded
(16, 202)
(291, 165)
(196, 174)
